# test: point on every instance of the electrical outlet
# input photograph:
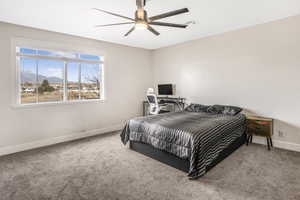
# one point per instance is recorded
(280, 134)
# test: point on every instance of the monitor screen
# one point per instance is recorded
(165, 89)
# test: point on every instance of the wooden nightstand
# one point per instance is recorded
(260, 126)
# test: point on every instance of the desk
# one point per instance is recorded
(173, 102)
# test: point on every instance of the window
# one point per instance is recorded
(50, 76)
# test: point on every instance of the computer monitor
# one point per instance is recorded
(165, 89)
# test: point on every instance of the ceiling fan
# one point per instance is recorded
(142, 21)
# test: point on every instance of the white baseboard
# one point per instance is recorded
(42, 143)
(278, 144)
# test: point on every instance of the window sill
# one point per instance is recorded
(26, 106)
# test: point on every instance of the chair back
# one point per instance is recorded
(153, 102)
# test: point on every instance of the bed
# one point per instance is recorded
(193, 140)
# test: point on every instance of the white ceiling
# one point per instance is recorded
(77, 18)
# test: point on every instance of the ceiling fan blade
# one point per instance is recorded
(117, 15)
(132, 29)
(169, 14)
(114, 24)
(153, 31)
(140, 4)
(169, 24)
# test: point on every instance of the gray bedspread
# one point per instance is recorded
(196, 136)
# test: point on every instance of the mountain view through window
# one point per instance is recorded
(47, 76)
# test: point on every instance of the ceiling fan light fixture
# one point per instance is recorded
(141, 21)
(141, 25)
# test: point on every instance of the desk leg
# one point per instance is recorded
(145, 108)
(181, 105)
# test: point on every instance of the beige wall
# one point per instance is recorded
(257, 68)
(126, 80)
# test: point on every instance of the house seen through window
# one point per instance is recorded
(49, 76)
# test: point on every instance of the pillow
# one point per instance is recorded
(223, 109)
(196, 108)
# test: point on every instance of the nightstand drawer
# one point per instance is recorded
(260, 128)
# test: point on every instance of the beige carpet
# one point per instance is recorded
(102, 168)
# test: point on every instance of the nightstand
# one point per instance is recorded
(260, 126)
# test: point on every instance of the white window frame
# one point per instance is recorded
(66, 60)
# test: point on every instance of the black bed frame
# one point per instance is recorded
(179, 163)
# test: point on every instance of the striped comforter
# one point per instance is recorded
(197, 136)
